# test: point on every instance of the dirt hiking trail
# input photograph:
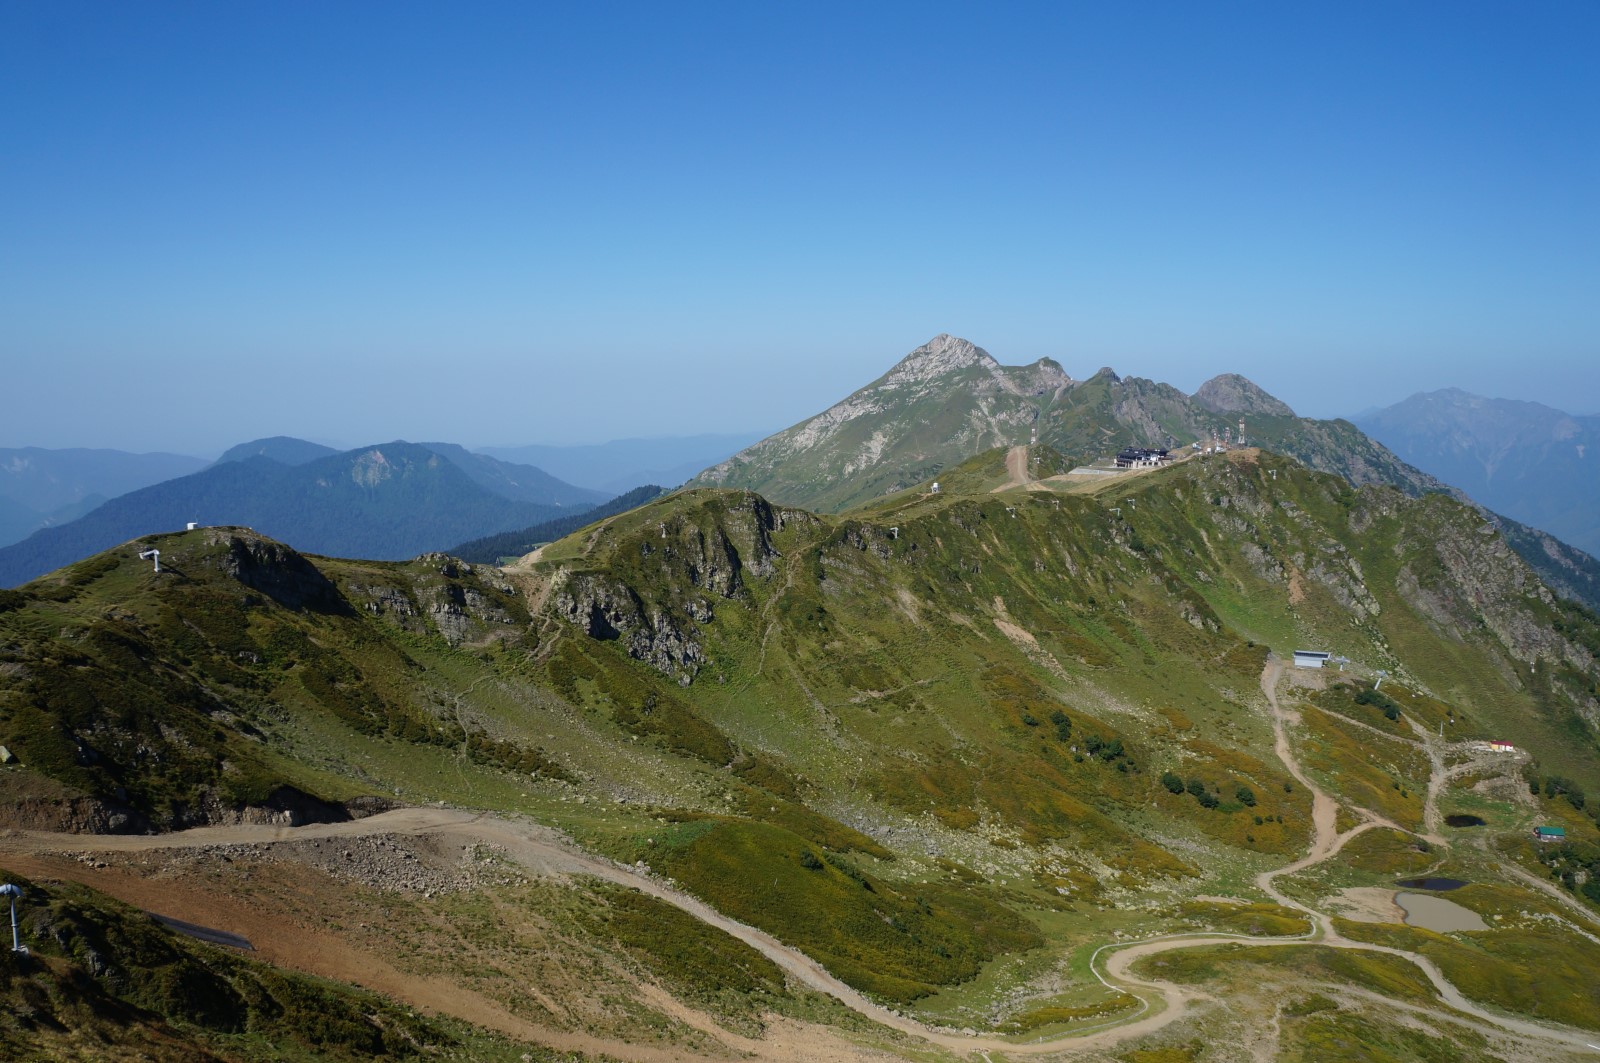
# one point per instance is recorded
(544, 851)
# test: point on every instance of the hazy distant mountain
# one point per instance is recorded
(286, 450)
(1524, 459)
(622, 463)
(386, 502)
(17, 521)
(521, 482)
(46, 480)
(39, 486)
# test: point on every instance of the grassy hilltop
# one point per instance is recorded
(945, 745)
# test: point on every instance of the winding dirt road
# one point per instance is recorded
(544, 851)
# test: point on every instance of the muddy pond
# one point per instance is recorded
(1437, 914)
(1462, 819)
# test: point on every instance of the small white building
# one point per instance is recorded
(1500, 746)
(1140, 458)
(1310, 658)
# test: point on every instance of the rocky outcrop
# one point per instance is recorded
(440, 594)
(670, 574)
(276, 571)
(939, 405)
(663, 638)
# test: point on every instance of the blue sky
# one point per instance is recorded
(507, 223)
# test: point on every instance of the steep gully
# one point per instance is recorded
(547, 852)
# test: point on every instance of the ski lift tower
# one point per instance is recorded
(146, 555)
(14, 893)
(1241, 431)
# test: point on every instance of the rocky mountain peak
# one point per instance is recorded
(941, 355)
(1232, 393)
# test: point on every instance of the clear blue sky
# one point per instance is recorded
(564, 222)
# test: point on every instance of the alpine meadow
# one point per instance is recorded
(922, 730)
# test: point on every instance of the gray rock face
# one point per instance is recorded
(443, 595)
(940, 404)
(676, 572)
(277, 571)
(1232, 393)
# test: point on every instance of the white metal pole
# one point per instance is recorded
(13, 891)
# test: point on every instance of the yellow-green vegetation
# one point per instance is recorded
(1388, 852)
(1387, 777)
(1252, 804)
(1391, 706)
(869, 933)
(1051, 1015)
(1259, 920)
(1331, 1035)
(1159, 1055)
(1535, 967)
(699, 964)
(901, 738)
(1255, 965)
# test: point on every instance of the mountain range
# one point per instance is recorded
(1024, 766)
(949, 399)
(1524, 459)
(936, 751)
(40, 487)
(389, 501)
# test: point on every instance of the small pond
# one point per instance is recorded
(1437, 884)
(1461, 819)
(1437, 914)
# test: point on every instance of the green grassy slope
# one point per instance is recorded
(106, 981)
(934, 742)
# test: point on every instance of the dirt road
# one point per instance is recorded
(544, 851)
(1016, 470)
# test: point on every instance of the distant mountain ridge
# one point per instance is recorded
(41, 486)
(522, 483)
(390, 501)
(286, 450)
(949, 400)
(1527, 460)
